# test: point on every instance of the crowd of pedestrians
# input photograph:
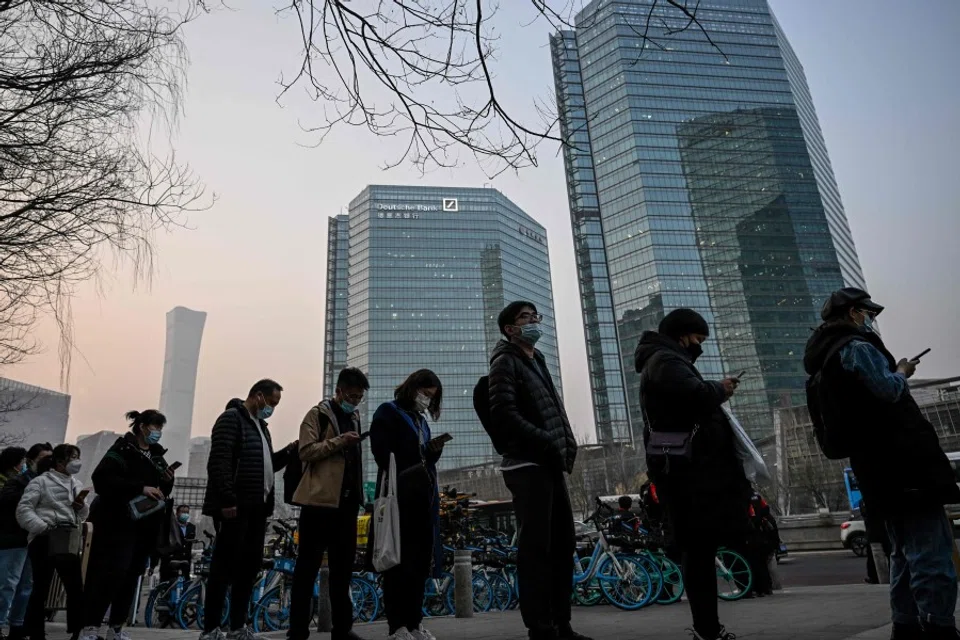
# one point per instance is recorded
(698, 490)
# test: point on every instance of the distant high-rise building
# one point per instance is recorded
(428, 270)
(92, 449)
(199, 454)
(697, 179)
(32, 414)
(184, 333)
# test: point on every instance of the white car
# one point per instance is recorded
(853, 535)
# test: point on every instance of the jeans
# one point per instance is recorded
(322, 530)
(545, 546)
(16, 583)
(923, 581)
(237, 558)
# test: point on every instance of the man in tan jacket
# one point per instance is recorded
(330, 494)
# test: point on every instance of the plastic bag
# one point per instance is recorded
(753, 465)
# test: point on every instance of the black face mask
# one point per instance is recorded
(695, 351)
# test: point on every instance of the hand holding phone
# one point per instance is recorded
(82, 496)
(364, 436)
(176, 465)
(443, 438)
(916, 358)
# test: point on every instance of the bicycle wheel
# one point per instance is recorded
(672, 581)
(482, 594)
(157, 614)
(190, 609)
(272, 612)
(510, 575)
(502, 592)
(734, 577)
(587, 593)
(653, 569)
(628, 588)
(366, 602)
(435, 601)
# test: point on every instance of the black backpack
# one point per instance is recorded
(830, 411)
(481, 404)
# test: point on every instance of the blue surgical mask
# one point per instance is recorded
(184, 518)
(347, 407)
(868, 323)
(530, 333)
(265, 413)
(153, 437)
(24, 467)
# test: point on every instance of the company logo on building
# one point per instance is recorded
(451, 205)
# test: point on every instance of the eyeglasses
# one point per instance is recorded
(528, 316)
(353, 399)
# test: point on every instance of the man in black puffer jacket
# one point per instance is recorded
(539, 447)
(240, 499)
(706, 498)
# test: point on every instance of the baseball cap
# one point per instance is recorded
(847, 298)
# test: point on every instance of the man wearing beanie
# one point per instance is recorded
(700, 480)
(905, 477)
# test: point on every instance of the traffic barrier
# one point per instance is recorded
(463, 583)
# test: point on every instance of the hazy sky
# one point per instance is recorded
(884, 79)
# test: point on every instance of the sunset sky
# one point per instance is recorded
(884, 79)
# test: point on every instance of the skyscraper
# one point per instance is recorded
(697, 178)
(184, 332)
(31, 414)
(199, 455)
(427, 272)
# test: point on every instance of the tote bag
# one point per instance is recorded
(386, 527)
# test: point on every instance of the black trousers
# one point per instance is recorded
(333, 531)
(68, 568)
(118, 557)
(545, 542)
(700, 581)
(237, 559)
(403, 585)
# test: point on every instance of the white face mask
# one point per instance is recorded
(422, 402)
(73, 467)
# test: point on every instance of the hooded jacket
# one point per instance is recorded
(896, 453)
(527, 403)
(708, 496)
(235, 467)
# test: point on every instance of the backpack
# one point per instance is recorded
(481, 404)
(828, 412)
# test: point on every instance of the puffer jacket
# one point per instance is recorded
(529, 407)
(235, 467)
(710, 495)
(47, 502)
(322, 454)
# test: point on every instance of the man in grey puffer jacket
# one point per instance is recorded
(539, 446)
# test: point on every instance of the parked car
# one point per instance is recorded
(853, 535)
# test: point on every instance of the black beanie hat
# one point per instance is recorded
(682, 322)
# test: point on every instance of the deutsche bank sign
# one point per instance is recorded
(451, 205)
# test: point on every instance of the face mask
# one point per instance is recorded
(73, 467)
(347, 407)
(24, 468)
(266, 412)
(695, 350)
(530, 333)
(868, 322)
(422, 402)
(153, 437)
(184, 518)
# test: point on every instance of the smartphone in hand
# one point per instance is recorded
(176, 465)
(442, 438)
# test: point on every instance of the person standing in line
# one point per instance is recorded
(400, 427)
(240, 498)
(705, 495)
(16, 574)
(133, 468)
(53, 500)
(865, 394)
(539, 448)
(329, 494)
(12, 554)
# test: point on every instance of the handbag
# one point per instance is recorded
(386, 528)
(677, 445)
(142, 507)
(64, 540)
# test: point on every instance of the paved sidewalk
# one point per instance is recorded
(808, 613)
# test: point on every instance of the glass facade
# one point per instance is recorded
(335, 331)
(428, 271)
(697, 179)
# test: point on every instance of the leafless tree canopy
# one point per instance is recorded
(424, 70)
(83, 86)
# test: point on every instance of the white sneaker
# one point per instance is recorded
(216, 634)
(89, 633)
(403, 634)
(121, 635)
(422, 634)
(246, 633)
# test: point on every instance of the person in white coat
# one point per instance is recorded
(54, 499)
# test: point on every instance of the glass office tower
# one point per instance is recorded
(697, 179)
(428, 271)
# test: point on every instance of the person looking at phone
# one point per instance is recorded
(400, 428)
(903, 473)
(53, 503)
(132, 469)
(329, 494)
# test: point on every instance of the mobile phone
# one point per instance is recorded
(443, 438)
(176, 465)
(364, 436)
(83, 495)
(922, 353)
(741, 374)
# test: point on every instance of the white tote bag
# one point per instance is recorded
(753, 465)
(386, 523)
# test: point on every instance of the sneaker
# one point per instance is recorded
(90, 633)
(402, 634)
(422, 634)
(245, 633)
(121, 634)
(216, 634)
(722, 635)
